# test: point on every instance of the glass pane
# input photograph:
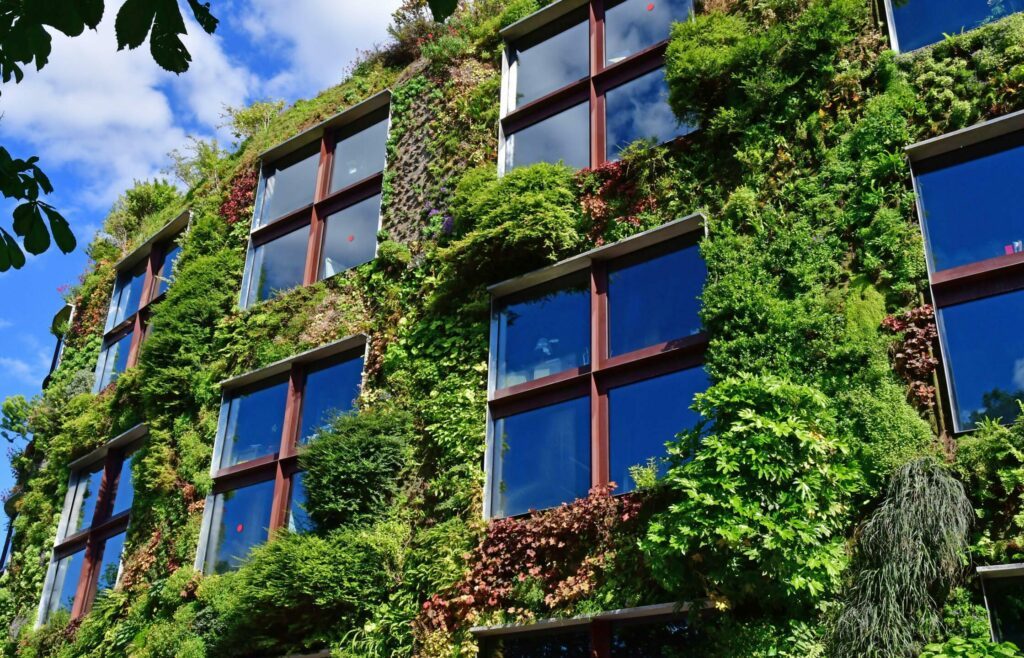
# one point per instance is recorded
(329, 391)
(655, 301)
(633, 25)
(543, 331)
(924, 22)
(645, 415)
(289, 184)
(87, 491)
(661, 639)
(545, 66)
(240, 521)
(1006, 608)
(359, 156)
(350, 237)
(984, 352)
(298, 519)
(254, 424)
(279, 265)
(542, 458)
(65, 583)
(167, 271)
(127, 294)
(639, 110)
(972, 192)
(125, 491)
(565, 644)
(110, 566)
(565, 137)
(115, 359)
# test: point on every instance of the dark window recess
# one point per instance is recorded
(562, 644)
(560, 138)
(921, 23)
(1005, 598)
(653, 639)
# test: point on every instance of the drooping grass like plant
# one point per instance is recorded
(910, 553)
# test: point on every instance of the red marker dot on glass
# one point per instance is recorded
(351, 238)
(239, 528)
(650, 6)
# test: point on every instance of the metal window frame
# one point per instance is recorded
(314, 215)
(104, 524)
(590, 89)
(283, 464)
(605, 371)
(973, 281)
(152, 252)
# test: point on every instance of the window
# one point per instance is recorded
(318, 203)
(582, 83)
(576, 403)
(976, 273)
(90, 536)
(914, 24)
(1003, 586)
(265, 416)
(142, 279)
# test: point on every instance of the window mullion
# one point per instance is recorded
(289, 441)
(316, 222)
(597, 113)
(598, 355)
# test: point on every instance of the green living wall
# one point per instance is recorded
(821, 458)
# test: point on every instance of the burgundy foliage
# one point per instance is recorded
(238, 206)
(610, 194)
(913, 356)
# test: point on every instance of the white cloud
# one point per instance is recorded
(1018, 374)
(31, 366)
(5, 324)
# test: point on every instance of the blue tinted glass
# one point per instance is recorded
(564, 644)
(544, 332)
(984, 351)
(65, 583)
(634, 25)
(973, 193)
(125, 491)
(564, 137)
(661, 639)
(639, 109)
(298, 518)
(240, 521)
(1005, 599)
(111, 563)
(359, 156)
(548, 65)
(127, 294)
(646, 415)
(279, 265)
(167, 271)
(924, 22)
(87, 492)
(328, 392)
(655, 301)
(254, 424)
(350, 237)
(289, 184)
(542, 458)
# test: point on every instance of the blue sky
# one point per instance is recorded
(100, 119)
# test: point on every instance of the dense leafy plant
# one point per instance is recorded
(958, 647)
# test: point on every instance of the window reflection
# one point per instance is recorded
(254, 423)
(125, 491)
(633, 25)
(639, 109)
(87, 491)
(115, 360)
(110, 566)
(359, 156)
(1005, 598)
(655, 301)
(547, 63)
(644, 416)
(564, 137)
(350, 237)
(127, 294)
(969, 188)
(543, 332)
(652, 639)
(240, 521)
(985, 357)
(562, 644)
(279, 265)
(65, 583)
(289, 184)
(167, 271)
(924, 22)
(541, 458)
(298, 518)
(329, 391)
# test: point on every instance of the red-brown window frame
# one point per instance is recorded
(605, 372)
(282, 465)
(103, 526)
(325, 203)
(591, 89)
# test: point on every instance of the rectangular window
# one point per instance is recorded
(576, 404)
(167, 269)
(114, 358)
(1003, 586)
(265, 418)
(127, 295)
(90, 540)
(318, 211)
(914, 24)
(580, 84)
(552, 644)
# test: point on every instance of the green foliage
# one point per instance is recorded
(161, 20)
(246, 122)
(763, 489)
(352, 466)
(134, 206)
(14, 416)
(958, 647)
